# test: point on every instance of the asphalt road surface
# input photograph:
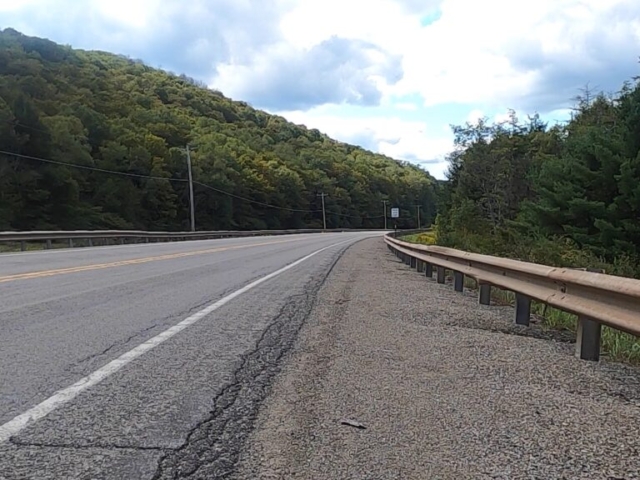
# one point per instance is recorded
(147, 361)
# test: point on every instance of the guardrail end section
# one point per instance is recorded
(588, 339)
(523, 309)
(484, 294)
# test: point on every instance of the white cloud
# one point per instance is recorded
(135, 14)
(475, 116)
(412, 107)
(379, 21)
(476, 53)
(336, 70)
(392, 136)
(502, 117)
(13, 5)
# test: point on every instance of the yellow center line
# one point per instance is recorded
(135, 261)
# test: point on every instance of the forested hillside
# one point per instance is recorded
(567, 195)
(100, 142)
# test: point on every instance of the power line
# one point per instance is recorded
(95, 169)
(16, 123)
(276, 206)
(181, 180)
(253, 201)
(353, 216)
(136, 175)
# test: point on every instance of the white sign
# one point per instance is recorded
(395, 213)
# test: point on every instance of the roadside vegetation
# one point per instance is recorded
(566, 195)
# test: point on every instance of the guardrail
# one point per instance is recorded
(597, 299)
(121, 236)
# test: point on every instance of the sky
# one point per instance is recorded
(389, 75)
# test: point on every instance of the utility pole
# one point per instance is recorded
(324, 217)
(385, 213)
(193, 211)
(418, 206)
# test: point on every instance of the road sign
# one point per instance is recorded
(395, 213)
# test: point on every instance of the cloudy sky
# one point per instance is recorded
(390, 75)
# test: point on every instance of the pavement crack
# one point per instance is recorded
(157, 325)
(109, 446)
(106, 351)
(213, 446)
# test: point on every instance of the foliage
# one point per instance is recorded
(106, 112)
(566, 196)
(426, 238)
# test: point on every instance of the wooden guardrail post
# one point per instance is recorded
(440, 274)
(484, 294)
(523, 309)
(71, 243)
(458, 281)
(588, 339)
(23, 246)
(47, 244)
(420, 266)
(413, 261)
(428, 270)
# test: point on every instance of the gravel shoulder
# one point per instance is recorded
(442, 387)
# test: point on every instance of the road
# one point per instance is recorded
(147, 361)
(445, 389)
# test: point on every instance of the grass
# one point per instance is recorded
(426, 238)
(618, 346)
(10, 247)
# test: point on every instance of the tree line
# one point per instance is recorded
(92, 140)
(563, 195)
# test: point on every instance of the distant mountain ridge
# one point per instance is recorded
(102, 112)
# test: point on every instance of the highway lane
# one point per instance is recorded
(66, 314)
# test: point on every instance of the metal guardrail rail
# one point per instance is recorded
(138, 235)
(135, 234)
(597, 299)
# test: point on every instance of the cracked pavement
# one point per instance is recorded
(443, 391)
(183, 409)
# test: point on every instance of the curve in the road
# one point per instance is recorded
(67, 394)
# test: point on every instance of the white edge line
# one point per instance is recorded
(67, 394)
